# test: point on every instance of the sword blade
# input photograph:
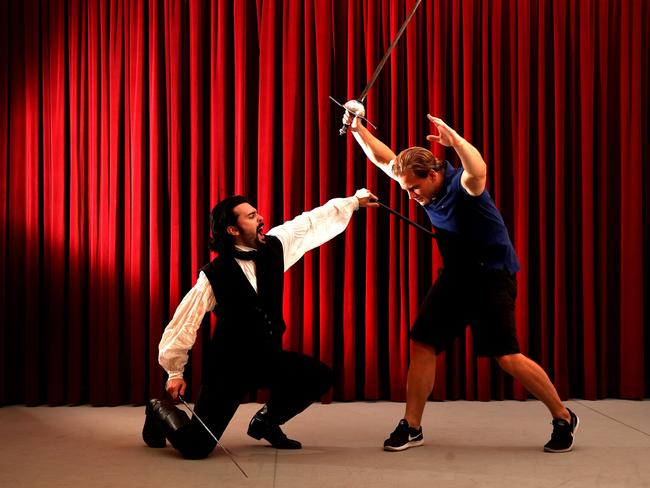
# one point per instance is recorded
(232, 458)
(373, 78)
(409, 221)
(381, 64)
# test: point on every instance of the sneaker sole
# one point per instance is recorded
(405, 446)
(573, 438)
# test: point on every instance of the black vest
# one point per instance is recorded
(248, 323)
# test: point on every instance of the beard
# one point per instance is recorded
(261, 237)
(256, 240)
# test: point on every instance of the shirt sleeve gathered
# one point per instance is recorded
(313, 228)
(180, 334)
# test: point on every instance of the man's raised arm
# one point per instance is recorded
(378, 152)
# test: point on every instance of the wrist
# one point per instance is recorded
(459, 142)
(174, 375)
(357, 203)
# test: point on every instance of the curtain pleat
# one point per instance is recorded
(586, 84)
(154, 238)
(631, 192)
(4, 216)
(353, 363)
(123, 122)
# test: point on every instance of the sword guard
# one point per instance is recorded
(344, 127)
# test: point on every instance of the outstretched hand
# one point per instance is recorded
(366, 198)
(446, 135)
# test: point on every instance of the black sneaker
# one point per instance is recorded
(404, 437)
(563, 434)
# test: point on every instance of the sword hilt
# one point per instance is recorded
(344, 127)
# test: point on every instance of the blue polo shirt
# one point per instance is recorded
(470, 230)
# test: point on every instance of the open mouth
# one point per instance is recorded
(259, 231)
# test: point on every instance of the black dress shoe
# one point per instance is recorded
(152, 434)
(163, 419)
(261, 428)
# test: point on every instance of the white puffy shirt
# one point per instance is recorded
(298, 236)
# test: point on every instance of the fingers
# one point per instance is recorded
(439, 125)
(436, 120)
(366, 198)
(348, 118)
(174, 387)
(446, 135)
(443, 128)
(350, 121)
(353, 108)
(372, 200)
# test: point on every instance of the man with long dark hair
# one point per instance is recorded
(243, 287)
(477, 285)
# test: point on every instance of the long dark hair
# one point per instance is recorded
(222, 217)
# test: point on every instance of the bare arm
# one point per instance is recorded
(379, 153)
(475, 170)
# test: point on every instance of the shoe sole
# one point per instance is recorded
(254, 435)
(405, 446)
(573, 438)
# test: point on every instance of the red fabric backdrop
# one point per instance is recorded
(123, 122)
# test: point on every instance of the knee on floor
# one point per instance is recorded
(196, 450)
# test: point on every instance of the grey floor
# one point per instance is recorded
(467, 444)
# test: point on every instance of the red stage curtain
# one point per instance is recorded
(123, 122)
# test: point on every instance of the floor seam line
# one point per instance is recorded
(612, 418)
(275, 467)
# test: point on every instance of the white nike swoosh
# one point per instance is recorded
(413, 438)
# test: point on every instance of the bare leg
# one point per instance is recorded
(536, 381)
(419, 383)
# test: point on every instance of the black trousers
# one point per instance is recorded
(294, 381)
